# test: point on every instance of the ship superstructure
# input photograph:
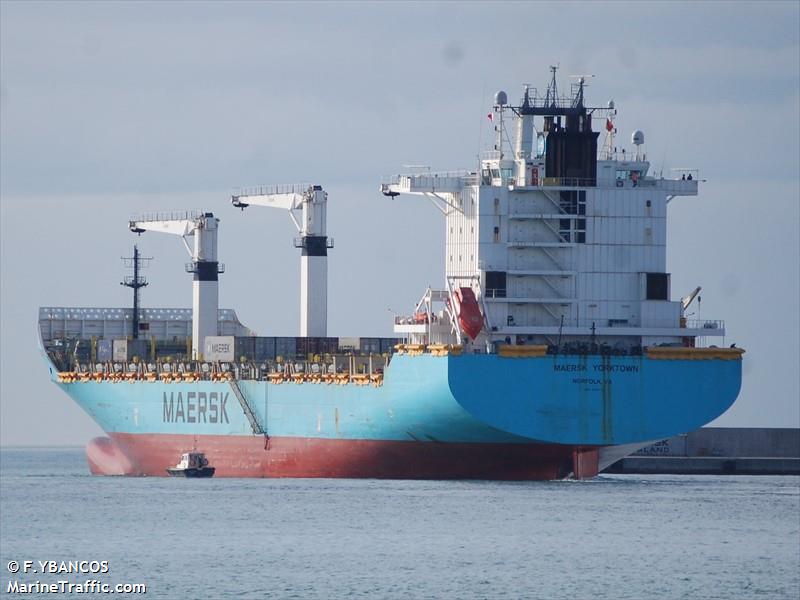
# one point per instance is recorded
(553, 348)
(562, 244)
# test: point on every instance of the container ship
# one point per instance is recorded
(552, 349)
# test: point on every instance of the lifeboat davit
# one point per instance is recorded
(469, 313)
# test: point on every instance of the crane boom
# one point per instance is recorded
(181, 227)
(306, 205)
(287, 201)
(687, 300)
(201, 229)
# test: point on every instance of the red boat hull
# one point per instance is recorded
(469, 313)
(252, 456)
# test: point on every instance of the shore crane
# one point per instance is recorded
(200, 228)
(306, 205)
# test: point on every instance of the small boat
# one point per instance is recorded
(193, 464)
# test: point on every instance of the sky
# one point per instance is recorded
(112, 109)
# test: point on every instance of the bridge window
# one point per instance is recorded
(573, 202)
(496, 284)
(572, 230)
(657, 286)
(580, 230)
(565, 229)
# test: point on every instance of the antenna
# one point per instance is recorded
(551, 98)
(500, 102)
(611, 129)
(577, 101)
(135, 282)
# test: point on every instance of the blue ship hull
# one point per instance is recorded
(482, 416)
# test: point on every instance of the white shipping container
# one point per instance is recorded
(120, 352)
(349, 343)
(219, 348)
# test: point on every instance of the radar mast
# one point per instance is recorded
(135, 282)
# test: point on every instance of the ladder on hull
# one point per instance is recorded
(256, 426)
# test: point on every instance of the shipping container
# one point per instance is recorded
(82, 351)
(348, 344)
(174, 347)
(316, 345)
(140, 348)
(388, 344)
(264, 348)
(244, 347)
(120, 350)
(329, 345)
(219, 348)
(170, 348)
(370, 345)
(310, 346)
(285, 347)
(104, 350)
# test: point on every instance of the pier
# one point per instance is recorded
(719, 451)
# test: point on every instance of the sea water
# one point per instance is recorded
(615, 536)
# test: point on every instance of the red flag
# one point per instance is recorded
(490, 116)
(609, 125)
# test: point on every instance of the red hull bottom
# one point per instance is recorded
(251, 456)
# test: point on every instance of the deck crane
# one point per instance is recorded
(687, 300)
(306, 205)
(199, 228)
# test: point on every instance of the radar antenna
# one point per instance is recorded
(500, 103)
(135, 282)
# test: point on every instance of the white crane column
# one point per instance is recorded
(307, 206)
(314, 265)
(314, 287)
(205, 284)
(202, 229)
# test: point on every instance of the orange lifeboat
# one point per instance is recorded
(469, 313)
